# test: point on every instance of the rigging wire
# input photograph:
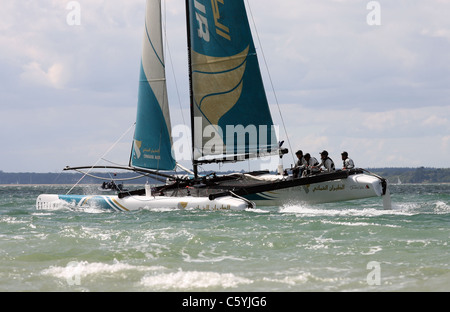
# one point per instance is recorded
(270, 79)
(109, 149)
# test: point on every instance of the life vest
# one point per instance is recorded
(332, 163)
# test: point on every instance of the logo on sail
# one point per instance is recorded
(203, 28)
(148, 153)
(137, 148)
(221, 29)
(217, 83)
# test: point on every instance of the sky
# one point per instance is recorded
(368, 77)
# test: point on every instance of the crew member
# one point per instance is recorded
(327, 162)
(312, 163)
(300, 165)
(347, 162)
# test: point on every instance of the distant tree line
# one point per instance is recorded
(394, 175)
(414, 175)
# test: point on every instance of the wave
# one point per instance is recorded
(82, 269)
(442, 207)
(207, 257)
(192, 280)
(409, 208)
(312, 211)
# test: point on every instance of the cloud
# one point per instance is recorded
(54, 76)
(335, 59)
(446, 144)
(397, 137)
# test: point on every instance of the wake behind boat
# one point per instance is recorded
(230, 121)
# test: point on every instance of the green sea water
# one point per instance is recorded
(347, 246)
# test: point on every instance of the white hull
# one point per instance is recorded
(278, 190)
(353, 187)
(133, 203)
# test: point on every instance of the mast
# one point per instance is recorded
(191, 94)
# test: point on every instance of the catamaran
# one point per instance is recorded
(230, 121)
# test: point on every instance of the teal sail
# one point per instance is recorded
(152, 143)
(231, 116)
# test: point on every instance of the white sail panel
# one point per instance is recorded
(152, 147)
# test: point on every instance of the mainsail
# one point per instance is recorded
(230, 114)
(152, 144)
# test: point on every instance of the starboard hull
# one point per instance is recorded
(356, 186)
(134, 203)
(276, 190)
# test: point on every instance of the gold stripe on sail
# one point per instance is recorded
(217, 83)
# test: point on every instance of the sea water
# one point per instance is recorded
(346, 246)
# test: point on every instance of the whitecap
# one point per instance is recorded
(373, 250)
(207, 257)
(442, 207)
(192, 280)
(300, 278)
(360, 223)
(12, 220)
(83, 269)
(292, 280)
(313, 212)
(257, 210)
